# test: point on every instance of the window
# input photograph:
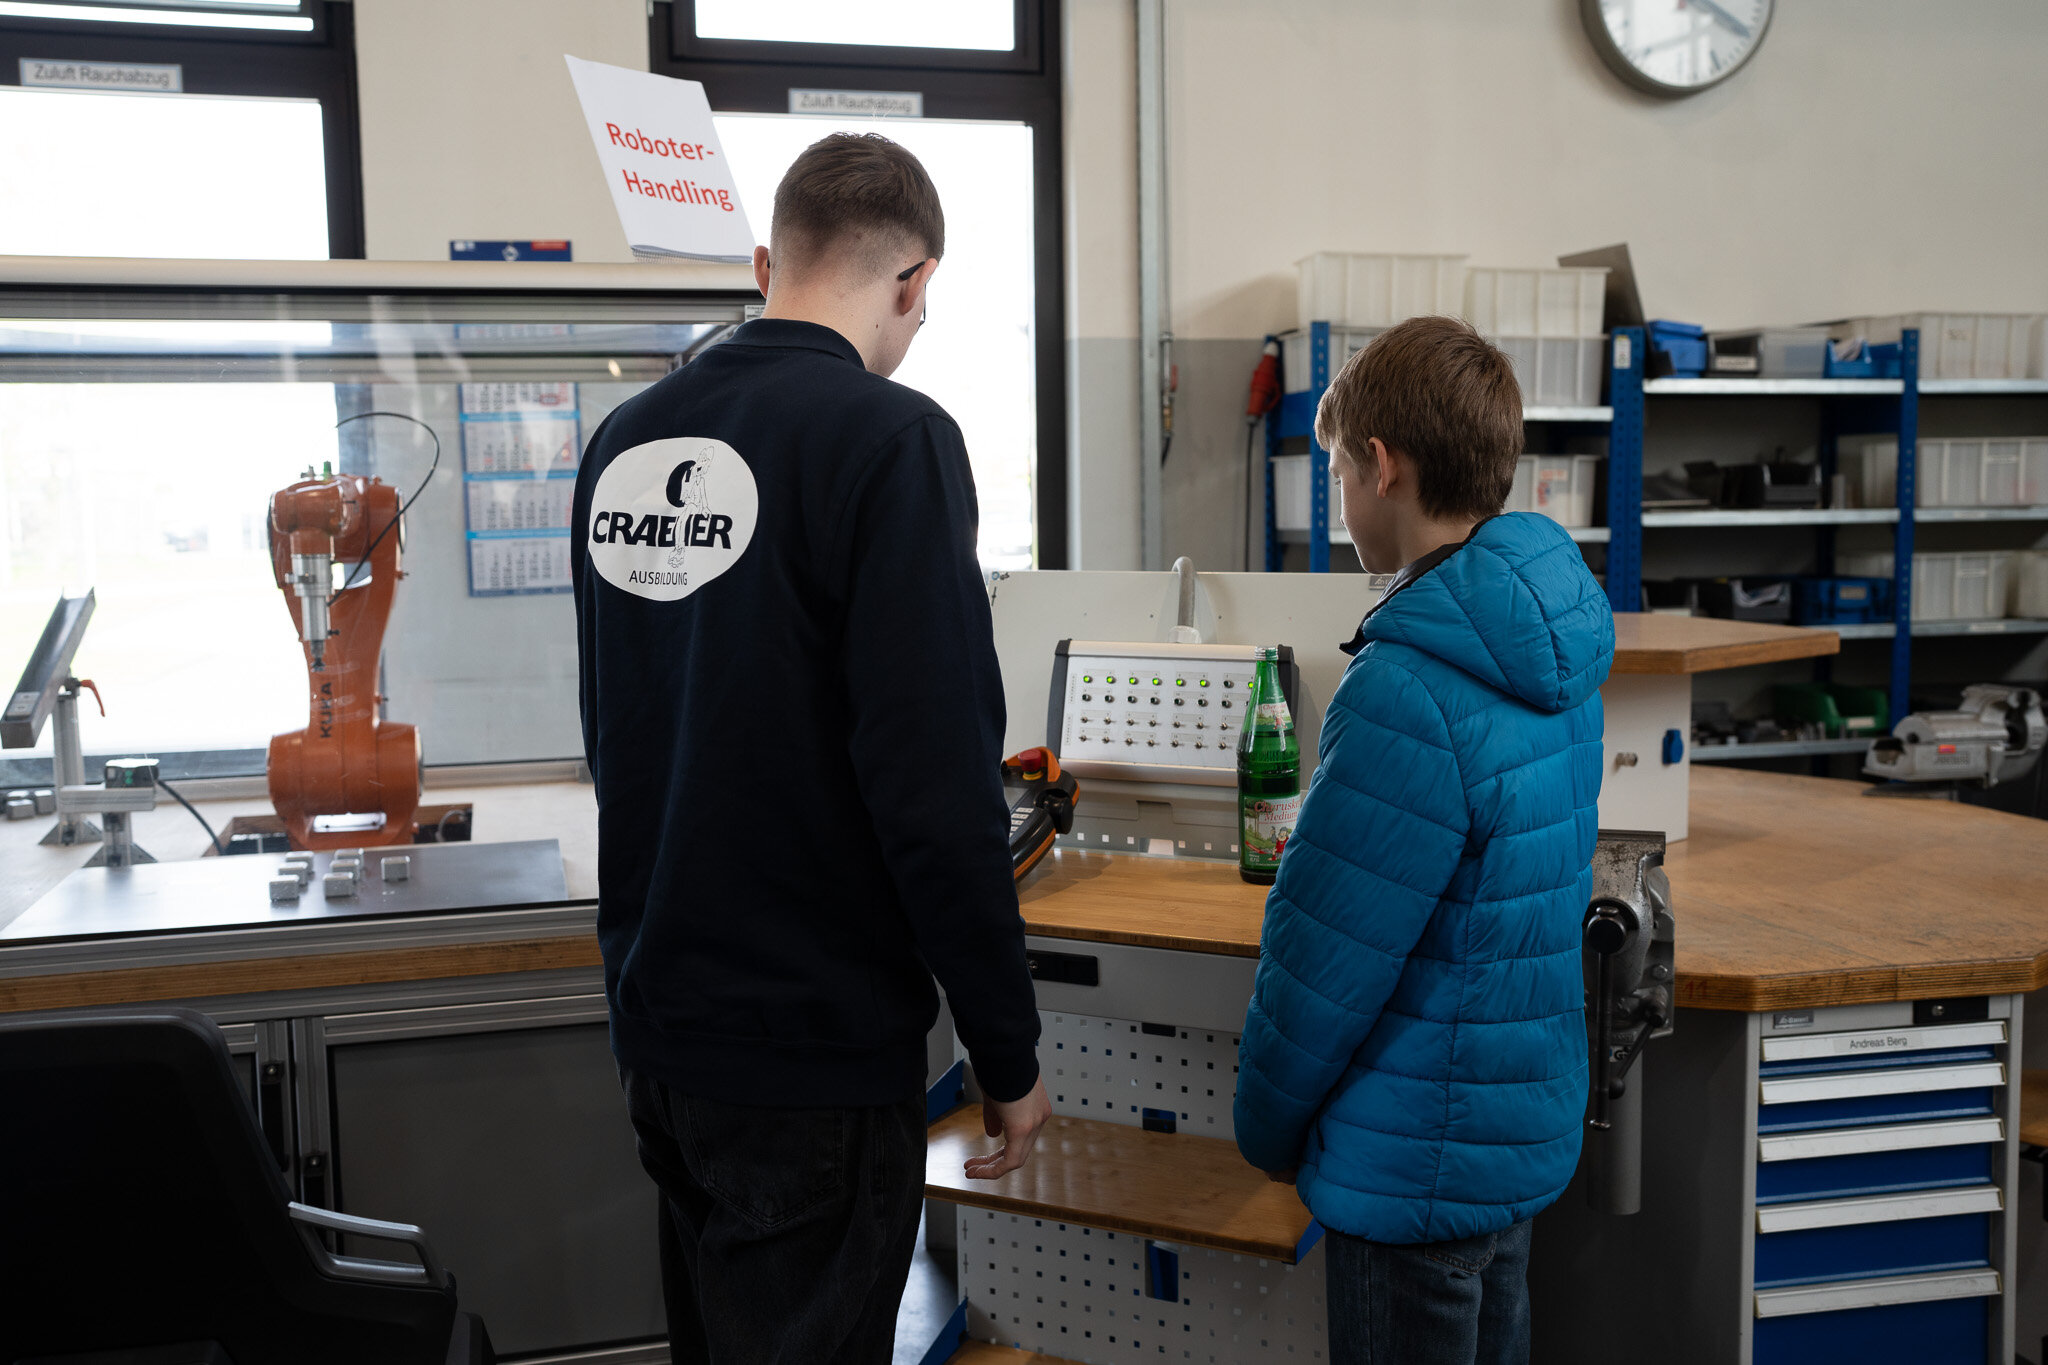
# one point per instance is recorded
(984, 25)
(253, 154)
(974, 353)
(983, 73)
(225, 176)
(190, 645)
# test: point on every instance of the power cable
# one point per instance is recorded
(211, 837)
(403, 507)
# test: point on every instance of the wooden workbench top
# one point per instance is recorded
(1194, 904)
(1802, 891)
(1649, 642)
(1177, 1187)
(1791, 892)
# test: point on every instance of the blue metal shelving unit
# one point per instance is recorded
(1296, 417)
(1625, 358)
(1898, 409)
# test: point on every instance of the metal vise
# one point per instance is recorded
(1629, 933)
(1995, 736)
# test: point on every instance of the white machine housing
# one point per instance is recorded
(1141, 711)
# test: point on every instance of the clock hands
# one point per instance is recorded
(1721, 17)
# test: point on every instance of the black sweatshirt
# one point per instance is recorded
(793, 713)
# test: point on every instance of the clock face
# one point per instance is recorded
(1675, 47)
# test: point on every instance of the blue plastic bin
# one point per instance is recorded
(1841, 601)
(1684, 342)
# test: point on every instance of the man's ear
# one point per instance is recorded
(910, 292)
(761, 270)
(1386, 474)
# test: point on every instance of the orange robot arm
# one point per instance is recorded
(346, 761)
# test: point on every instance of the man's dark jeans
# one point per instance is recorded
(1437, 1303)
(786, 1234)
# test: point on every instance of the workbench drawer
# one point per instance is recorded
(1854, 1082)
(1859, 1161)
(1866, 1110)
(1944, 1332)
(1857, 1251)
(1911, 1042)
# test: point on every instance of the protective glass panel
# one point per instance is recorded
(975, 355)
(101, 173)
(138, 456)
(980, 25)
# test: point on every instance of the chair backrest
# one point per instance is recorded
(139, 1206)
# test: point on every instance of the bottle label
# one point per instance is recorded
(1266, 823)
(1274, 713)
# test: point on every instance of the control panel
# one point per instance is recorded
(1153, 712)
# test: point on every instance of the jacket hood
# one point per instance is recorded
(1516, 607)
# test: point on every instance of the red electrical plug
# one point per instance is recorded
(1265, 394)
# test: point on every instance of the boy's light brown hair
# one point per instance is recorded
(1441, 394)
(856, 200)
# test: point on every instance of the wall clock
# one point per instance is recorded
(1676, 47)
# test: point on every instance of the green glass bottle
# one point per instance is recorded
(1268, 775)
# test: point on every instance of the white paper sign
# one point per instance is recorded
(669, 177)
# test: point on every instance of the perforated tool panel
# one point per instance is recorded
(1112, 1069)
(1085, 1295)
(1101, 1298)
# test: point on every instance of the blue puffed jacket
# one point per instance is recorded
(1416, 1041)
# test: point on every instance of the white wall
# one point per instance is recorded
(471, 129)
(1100, 207)
(1875, 155)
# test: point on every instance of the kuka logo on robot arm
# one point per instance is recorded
(669, 516)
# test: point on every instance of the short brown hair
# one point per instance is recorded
(1441, 394)
(857, 197)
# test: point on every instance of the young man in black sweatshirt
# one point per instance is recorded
(793, 715)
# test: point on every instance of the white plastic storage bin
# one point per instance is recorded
(1371, 289)
(1870, 464)
(1962, 345)
(1290, 494)
(1345, 342)
(1542, 302)
(1555, 372)
(2007, 471)
(1558, 486)
(2030, 585)
(1973, 586)
(2034, 471)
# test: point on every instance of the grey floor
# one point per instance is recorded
(928, 1299)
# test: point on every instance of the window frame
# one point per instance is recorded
(320, 65)
(745, 77)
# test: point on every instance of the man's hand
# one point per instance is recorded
(1285, 1177)
(1017, 1124)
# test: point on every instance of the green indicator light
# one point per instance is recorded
(1087, 677)
(1134, 682)
(1155, 682)
(1180, 682)
(1204, 682)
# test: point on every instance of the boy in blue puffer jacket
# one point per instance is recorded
(1415, 1053)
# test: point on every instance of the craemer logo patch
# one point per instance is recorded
(671, 515)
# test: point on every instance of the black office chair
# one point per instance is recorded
(143, 1220)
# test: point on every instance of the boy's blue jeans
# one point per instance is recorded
(1436, 1303)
